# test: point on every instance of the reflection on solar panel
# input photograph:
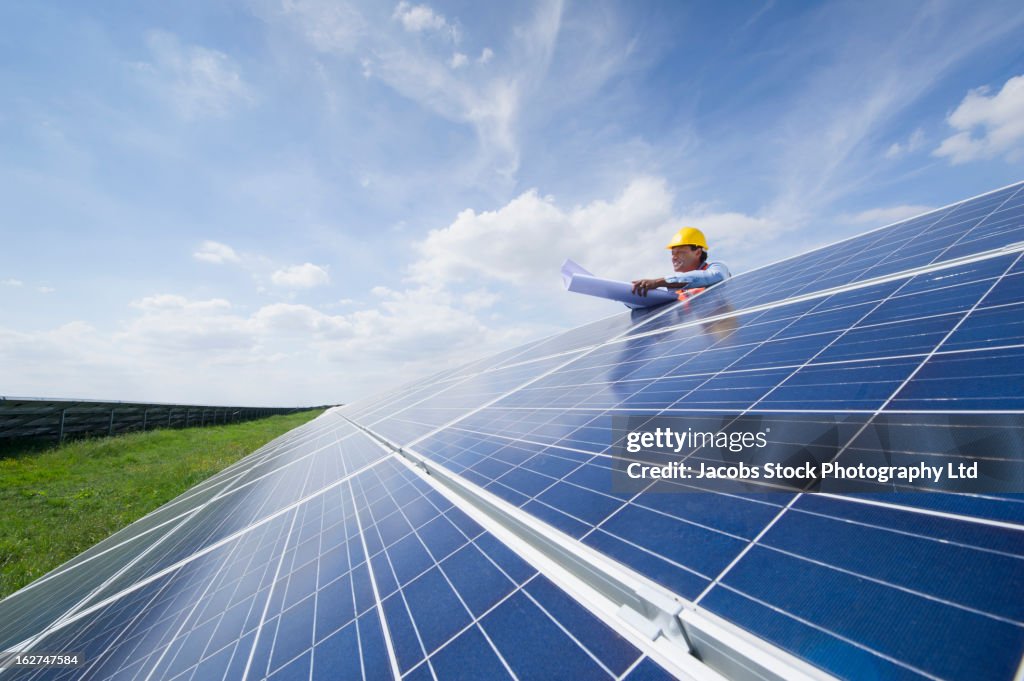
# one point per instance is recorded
(467, 525)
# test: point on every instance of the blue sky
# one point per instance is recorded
(306, 201)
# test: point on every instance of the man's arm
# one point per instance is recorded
(715, 273)
(642, 286)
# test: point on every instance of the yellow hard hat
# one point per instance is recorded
(688, 236)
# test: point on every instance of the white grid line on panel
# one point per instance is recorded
(376, 592)
(212, 580)
(757, 539)
(183, 516)
(475, 621)
(836, 635)
(201, 552)
(1002, 524)
(266, 604)
(436, 563)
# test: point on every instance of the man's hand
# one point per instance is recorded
(642, 286)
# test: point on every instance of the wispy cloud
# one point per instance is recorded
(18, 283)
(458, 60)
(988, 125)
(216, 253)
(196, 81)
(915, 142)
(869, 78)
(883, 216)
(306, 275)
(327, 25)
(434, 76)
(420, 18)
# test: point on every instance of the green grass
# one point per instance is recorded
(58, 501)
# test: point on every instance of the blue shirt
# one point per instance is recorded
(714, 273)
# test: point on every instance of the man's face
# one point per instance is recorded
(685, 258)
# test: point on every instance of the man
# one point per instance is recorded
(689, 259)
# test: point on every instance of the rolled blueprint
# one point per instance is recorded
(579, 280)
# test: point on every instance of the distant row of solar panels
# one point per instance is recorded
(24, 417)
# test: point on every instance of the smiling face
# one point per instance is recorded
(685, 258)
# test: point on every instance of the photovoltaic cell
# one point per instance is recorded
(327, 555)
(863, 349)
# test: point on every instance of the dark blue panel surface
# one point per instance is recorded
(977, 579)
(938, 638)
(534, 645)
(989, 327)
(470, 656)
(443, 593)
(611, 650)
(986, 380)
(841, 658)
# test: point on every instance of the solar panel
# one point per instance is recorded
(56, 420)
(470, 523)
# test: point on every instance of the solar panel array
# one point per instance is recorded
(466, 525)
(57, 420)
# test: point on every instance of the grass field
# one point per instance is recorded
(57, 502)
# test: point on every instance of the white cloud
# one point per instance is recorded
(216, 253)
(167, 301)
(328, 25)
(434, 77)
(988, 126)
(197, 81)
(18, 283)
(174, 324)
(478, 299)
(884, 216)
(306, 275)
(172, 350)
(279, 354)
(291, 318)
(914, 142)
(426, 318)
(868, 84)
(491, 107)
(461, 301)
(419, 18)
(524, 242)
(71, 360)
